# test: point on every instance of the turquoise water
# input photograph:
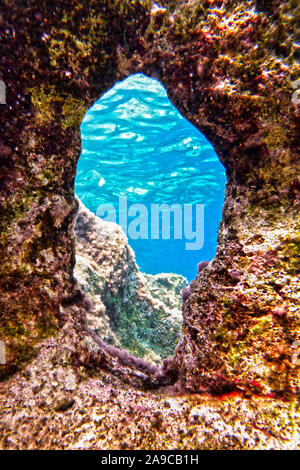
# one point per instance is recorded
(135, 144)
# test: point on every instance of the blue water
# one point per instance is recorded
(136, 144)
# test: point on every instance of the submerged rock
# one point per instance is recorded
(230, 68)
(132, 310)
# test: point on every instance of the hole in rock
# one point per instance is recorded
(146, 172)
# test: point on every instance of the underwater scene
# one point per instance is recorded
(146, 168)
(136, 146)
(149, 229)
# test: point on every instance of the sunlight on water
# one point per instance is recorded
(136, 144)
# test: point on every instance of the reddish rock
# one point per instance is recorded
(230, 69)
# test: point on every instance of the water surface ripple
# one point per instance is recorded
(136, 144)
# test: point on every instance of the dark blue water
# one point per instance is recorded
(136, 145)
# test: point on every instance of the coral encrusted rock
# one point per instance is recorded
(232, 69)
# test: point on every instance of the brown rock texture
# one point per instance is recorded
(66, 407)
(232, 69)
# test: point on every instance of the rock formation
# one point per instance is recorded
(139, 312)
(232, 69)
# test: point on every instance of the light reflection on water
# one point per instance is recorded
(135, 143)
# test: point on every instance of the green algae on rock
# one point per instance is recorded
(232, 69)
(139, 312)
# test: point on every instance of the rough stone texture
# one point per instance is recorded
(232, 69)
(139, 312)
(63, 407)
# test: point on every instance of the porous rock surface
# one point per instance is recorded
(232, 69)
(63, 407)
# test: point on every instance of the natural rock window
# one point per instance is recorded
(232, 69)
(147, 169)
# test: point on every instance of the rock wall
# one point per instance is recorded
(128, 309)
(231, 68)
